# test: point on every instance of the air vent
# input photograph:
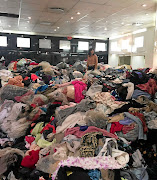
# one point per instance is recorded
(137, 24)
(46, 23)
(56, 10)
(9, 15)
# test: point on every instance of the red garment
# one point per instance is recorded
(76, 131)
(128, 128)
(57, 102)
(34, 77)
(15, 66)
(33, 63)
(33, 105)
(115, 127)
(31, 160)
(79, 87)
(142, 118)
(29, 139)
(49, 125)
(26, 78)
(149, 87)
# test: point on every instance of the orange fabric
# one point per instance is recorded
(17, 81)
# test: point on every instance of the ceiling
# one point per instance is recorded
(97, 19)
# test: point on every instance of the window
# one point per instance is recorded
(23, 42)
(100, 47)
(125, 44)
(45, 43)
(139, 41)
(64, 45)
(3, 41)
(82, 46)
(114, 47)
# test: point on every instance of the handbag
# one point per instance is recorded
(120, 156)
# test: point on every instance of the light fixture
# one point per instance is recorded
(29, 18)
(72, 18)
(105, 29)
(144, 5)
(46, 23)
(78, 13)
(67, 21)
(147, 14)
(55, 30)
(122, 23)
(9, 26)
(25, 27)
(0, 21)
(28, 21)
(58, 27)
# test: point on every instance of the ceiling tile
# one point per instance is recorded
(68, 4)
(96, 2)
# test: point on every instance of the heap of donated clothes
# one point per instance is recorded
(61, 122)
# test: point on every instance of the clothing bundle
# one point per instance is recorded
(61, 122)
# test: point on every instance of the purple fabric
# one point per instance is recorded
(83, 128)
(126, 121)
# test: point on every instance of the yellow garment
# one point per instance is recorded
(116, 118)
(37, 129)
(69, 173)
(43, 143)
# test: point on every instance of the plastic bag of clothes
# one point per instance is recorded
(22, 62)
(62, 65)
(79, 66)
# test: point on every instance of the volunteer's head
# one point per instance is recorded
(91, 52)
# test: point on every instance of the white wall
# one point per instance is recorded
(113, 60)
(138, 62)
(147, 50)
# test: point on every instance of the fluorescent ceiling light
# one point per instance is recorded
(46, 23)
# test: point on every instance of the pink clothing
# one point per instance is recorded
(76, 131)
(149, 87)
(79, 87)
(128, 128)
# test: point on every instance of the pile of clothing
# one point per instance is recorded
(61, 122)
